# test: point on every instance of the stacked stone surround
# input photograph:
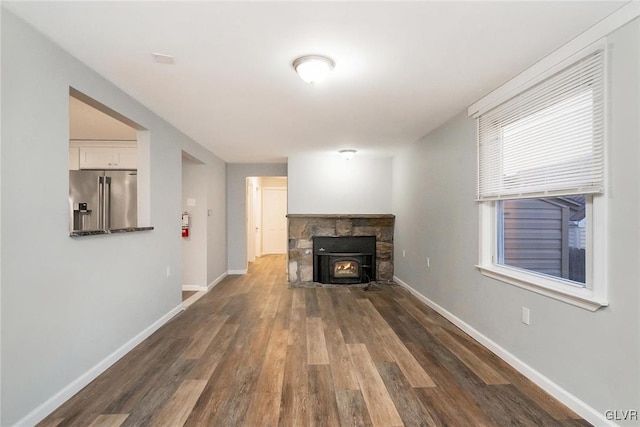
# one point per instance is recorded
(303, 228)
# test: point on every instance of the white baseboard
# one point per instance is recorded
(196, 288)
(218, 280)
(193, 288)
(39, 413)
(201, 291)
(568, 399)
(237, 271)
(193, 298)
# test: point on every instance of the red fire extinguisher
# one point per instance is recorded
(185, 224)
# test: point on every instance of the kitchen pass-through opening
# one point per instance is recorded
(105, 164)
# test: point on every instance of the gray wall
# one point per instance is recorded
(592, 355)
(237, 175)
(63, 309)
(217, 222)
(1, 221)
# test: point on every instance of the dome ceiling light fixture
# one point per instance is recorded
(313, 68)
(347, 154)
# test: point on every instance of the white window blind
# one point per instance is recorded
(547, 140)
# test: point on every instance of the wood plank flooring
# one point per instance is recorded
(256, 351)
(187, 294)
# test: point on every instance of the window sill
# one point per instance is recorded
(580, 297)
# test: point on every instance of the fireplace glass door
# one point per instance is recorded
(346, 268)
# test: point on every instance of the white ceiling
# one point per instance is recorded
(402, 68)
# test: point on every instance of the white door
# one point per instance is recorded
(251, 240)
(257, 220)
(274, 220)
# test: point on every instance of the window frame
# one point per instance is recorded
(594, 294)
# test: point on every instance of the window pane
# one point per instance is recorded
(546, 236)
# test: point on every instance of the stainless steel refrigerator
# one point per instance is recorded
(103, 199)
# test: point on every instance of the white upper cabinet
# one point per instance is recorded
(107, 158)
(103, 157)
(125, 158)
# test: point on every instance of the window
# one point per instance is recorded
(545, 236)
(541, 184)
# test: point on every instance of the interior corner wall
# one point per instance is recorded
(217, 220)
(216, 196)
(194, 247)
(591, 355)
(1, 245)
(237, 174)
(68, 304)
(333, 185)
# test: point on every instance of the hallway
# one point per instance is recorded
(255, 351)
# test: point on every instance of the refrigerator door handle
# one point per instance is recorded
(101, 203)
(107, 203)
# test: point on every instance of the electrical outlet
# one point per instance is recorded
(526, 316)
(168, 271)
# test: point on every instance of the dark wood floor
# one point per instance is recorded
(257, 352)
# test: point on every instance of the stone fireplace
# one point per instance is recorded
(304, 228)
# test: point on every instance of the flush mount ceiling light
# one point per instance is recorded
(313, 68)
(347, 154)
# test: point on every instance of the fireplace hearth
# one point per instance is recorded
(344, 260)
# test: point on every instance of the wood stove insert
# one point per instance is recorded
(344, 260)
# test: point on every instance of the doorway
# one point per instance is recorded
(266, 216)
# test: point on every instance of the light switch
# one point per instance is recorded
(191, 202)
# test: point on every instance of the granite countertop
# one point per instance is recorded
(341, 216)
(112, 231)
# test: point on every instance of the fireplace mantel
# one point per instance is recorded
(304, 227)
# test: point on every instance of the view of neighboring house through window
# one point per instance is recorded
(547, 236)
